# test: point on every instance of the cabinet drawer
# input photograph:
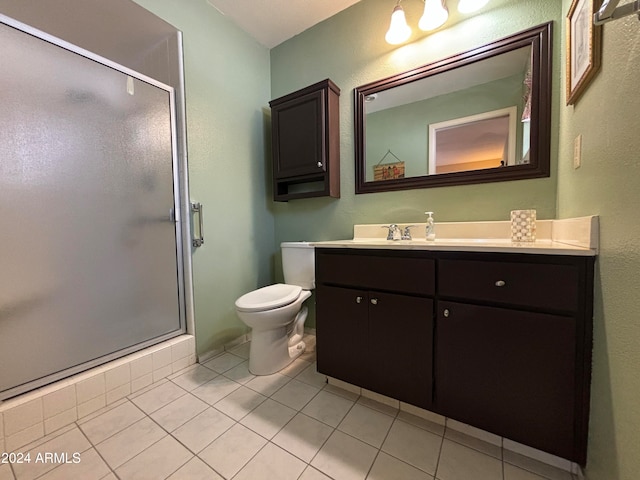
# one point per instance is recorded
(547, 286)
(395, 274)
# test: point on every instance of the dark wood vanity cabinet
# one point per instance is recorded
(509, 350)
(514, 335)
(305, 127)
(375, 323)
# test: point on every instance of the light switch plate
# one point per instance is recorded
(577, 151)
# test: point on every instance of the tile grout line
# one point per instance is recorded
(98, 453)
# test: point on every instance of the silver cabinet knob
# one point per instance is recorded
(446, 312)
(500, 283)
(319, 164)
(374, 301)
(358, 299)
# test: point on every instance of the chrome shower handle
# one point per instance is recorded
(199, 240)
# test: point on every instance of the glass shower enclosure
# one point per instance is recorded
(91, 247)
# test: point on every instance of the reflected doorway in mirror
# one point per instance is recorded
(475, 142)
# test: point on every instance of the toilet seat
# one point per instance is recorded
(268, 298)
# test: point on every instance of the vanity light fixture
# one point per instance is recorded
(399, 31)
(434, 16)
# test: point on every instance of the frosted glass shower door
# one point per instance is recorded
(90, 254)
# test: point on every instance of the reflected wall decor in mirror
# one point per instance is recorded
(480, 116)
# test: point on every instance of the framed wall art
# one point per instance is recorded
(584, 47)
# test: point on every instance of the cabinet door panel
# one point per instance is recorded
(341, 324)
(299, 136)
(400, 347)
(509, 372)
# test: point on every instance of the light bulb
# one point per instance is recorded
(468, 6)
(398, 31)
(434, 16)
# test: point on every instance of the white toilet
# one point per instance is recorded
(276, 314)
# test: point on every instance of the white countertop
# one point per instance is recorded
(577, 236)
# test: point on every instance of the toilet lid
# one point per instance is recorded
(268, 298)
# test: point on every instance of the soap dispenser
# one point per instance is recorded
(431, 227)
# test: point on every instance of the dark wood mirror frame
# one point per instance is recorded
(539, 38)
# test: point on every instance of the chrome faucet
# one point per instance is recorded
(406, 233)
(393, 233)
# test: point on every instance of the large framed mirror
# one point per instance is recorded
(480, 116)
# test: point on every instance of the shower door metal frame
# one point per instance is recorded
(181, 204)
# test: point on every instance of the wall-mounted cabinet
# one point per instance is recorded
(501, 341)
(305, 128)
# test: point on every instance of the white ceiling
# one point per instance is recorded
(271, 22)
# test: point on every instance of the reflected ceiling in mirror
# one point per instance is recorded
(480, 116)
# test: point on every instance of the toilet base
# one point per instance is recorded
(270, 351)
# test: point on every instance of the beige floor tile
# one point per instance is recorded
(242, 350)
(111, 422)
(312, 474)
(158, 397)
(303, 436)
(6, 473)
(294, 368)
(341, 392)
(387, 467)
(224, 362)
(70, 442)
(90, 467)
(215, 390)
(195, 469)
(413, 445)
(269, 418)
(272, 463)
(473, 442)
(328, 408)
(194, 377)
(423, 423)
(179, 412)
(379, 406)
(295, 394)
(203, 429)
(512, 472)
(311, 376)
(535, 466)
(157, 462)
(232, 450)
(458, 462)
(240, 402)
(344, 457)
(126, 444)
(366, 424)
(240, 374)
(267, 384)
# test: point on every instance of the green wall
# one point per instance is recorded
(227, 88)
(608, 184)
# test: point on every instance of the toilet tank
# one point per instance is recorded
(298, 264)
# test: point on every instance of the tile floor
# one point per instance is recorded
(217, 421)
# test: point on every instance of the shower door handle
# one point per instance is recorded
(196, 208)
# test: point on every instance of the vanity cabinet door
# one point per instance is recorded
(341, 326)
(400, 347)
(509, 372)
